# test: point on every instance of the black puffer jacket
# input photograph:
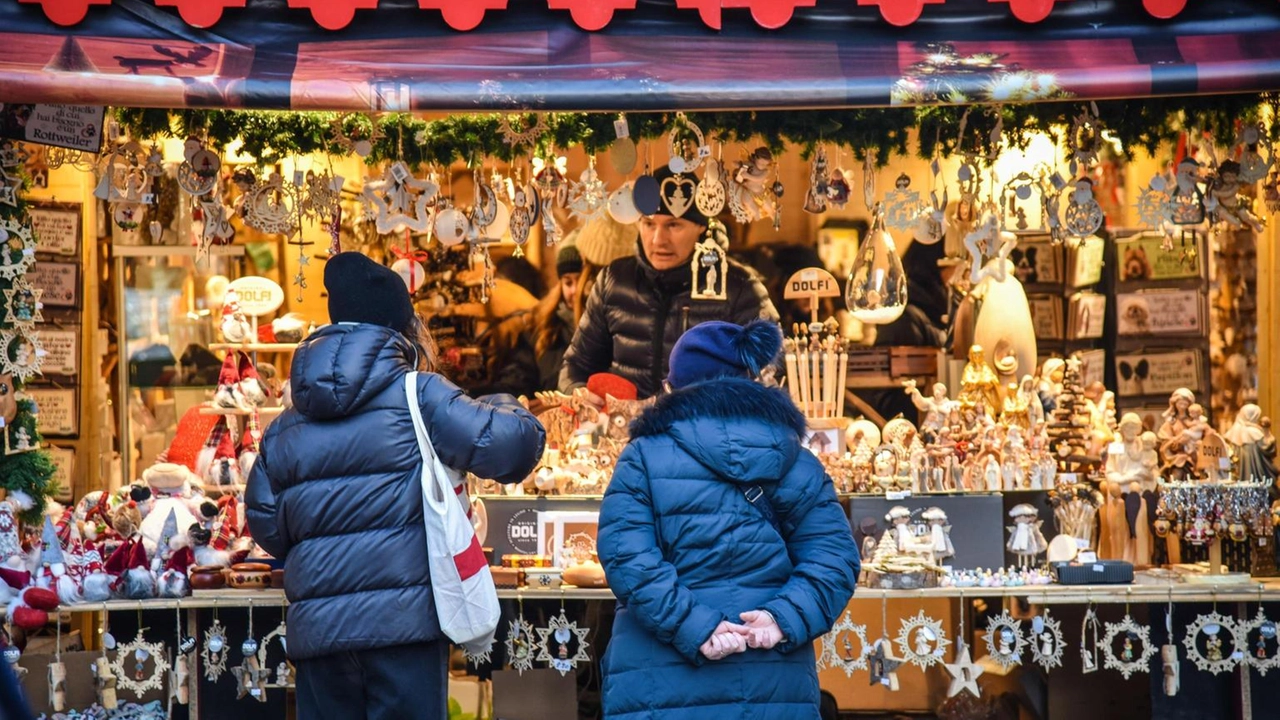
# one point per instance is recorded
(336, 491)
(630, 300)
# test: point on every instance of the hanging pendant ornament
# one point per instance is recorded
(1016, 192)
(931, 224)
(251, 679)
(1262, 645)
(622, 205)
(1222, 644)
(1170, 668)
(522, 644)
(359, 139)
(57, 676)
(622, 153)
(1187, 197)
(11, 657)
(1084, 214)
(1047, 642)
(213, 654)
(272, 207)
(122, 174)
(877, 287)
(883, 665)
(550, 227)
(22, 306)
(677, 194)
(709, 198)
(554, 642)
(217, 225)
(752, 196)
(588, 197)
(401, 200)
(104, 675)
(838, 649)
(922, 641)
(710, 264)
(17, 248)
(321, 196)
(527, 136)
(284, 671)
(815, 198)
(964, 672)
(549, 177)
(1089, 631)
(198, 173)
(137, 652)
(1154, 205)
(686, 156)
(484, 210)
(180, 675)
(1131, 659)
(1253, 166)
(901, 205)
(21, 355)
(1084, 141)
(524, 211)
(1004, 640)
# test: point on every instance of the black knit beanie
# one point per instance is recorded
(568, 261)
(363, 291)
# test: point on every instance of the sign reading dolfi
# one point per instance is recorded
(78, 127)
(257, 296)
(811, 282)
(522, 531)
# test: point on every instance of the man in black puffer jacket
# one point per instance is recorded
(640, 306)
(336, 493)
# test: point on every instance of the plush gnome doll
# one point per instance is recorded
(230, 393)
(224, 471)
(171, 487)
(129, 561)
(53, 565)
(27, 605)
(171, 581)
(235, 327)
(251, 386)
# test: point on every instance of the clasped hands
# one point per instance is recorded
(758, 630)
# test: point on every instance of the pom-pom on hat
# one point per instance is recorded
(363, 291)
(719, 349)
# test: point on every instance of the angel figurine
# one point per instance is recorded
(939, 533)
(1224, 198)
(1025, 539)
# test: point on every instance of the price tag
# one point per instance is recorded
(897, 495)
(620, 129)
(148, 198)
(1089, 557)
(399, 172)
(298, 178)
(255, 692)
(1099, 568)
(704, 151)
(1082, 544)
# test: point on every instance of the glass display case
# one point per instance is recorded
(166, 315)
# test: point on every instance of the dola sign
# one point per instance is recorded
(257, 296)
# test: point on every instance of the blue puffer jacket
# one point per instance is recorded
(336, 491)
(683, 549)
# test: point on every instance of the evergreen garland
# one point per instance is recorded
(29, 472)
(271, 136)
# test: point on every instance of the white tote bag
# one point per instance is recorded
(466, 599)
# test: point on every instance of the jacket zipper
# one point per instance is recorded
(684, 326)
(659, 341)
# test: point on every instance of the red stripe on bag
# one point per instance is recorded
(471, 560)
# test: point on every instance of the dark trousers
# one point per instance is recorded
(405, 681)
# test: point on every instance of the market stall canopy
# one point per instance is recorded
(652, 56)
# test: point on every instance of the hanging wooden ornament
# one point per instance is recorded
(1154, 205)
(9, 188)
(251, 679)
(321, 196)
(901, 205)
(272, 207)
(12, 154)
(105, 683)
(549, 177)
(1187, 197)
(198, 173)
(1004, 640)
(677, 194)
(22, 306)
(358, 140)
(401, 200)
(588, 197)
(17, 248)
(180, 675)
(838, 649)
(1046, 640)
(1089, 630)
(686, 157)
(21, 354)
(622, 153)
(1017, 192)
(122, 174)
(710, 264)
(136, 653)
(1084, 214)
(815, 197)
(931, 224)
(1251, 139)
(1085, 140)
(279, 634)
(521, 643)
(1170, 668)
(964, 672)
(922, 641)
(554, 642)
(883, 665)
(1215, 630)
(527, 135)
(217, 224)
(1262, 647)
(57, 675)
(710, 195)
(1130, 659)
(213, 653)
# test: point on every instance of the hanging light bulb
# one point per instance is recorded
(877, 288)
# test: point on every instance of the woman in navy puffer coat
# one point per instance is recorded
(336, 493)
(690, 550)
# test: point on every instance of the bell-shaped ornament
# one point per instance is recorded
(877, 289)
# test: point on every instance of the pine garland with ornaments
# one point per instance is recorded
(26, 472)
(270, 136)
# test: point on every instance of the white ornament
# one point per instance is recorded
(1048, 644)
(522, 645)
(588, 197)
(451, 226)
(280, 633)
(214, 652)
(1004, 639)
(1129, 661)
(272, 207)
(922, 641)
(562, 632)
(412, 272)
(901, 205)
(710, 196)
(402, 201)
(1256, 651)
(21, 355)
(1217, 657)
(138, 651)
(17, 248)
(838, 651)
(964, 673)
(1084, 214)
(1154, 206)
(622, 208)
(198, 174)
(22, 304)
(682, 161)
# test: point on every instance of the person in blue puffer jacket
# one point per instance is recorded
(336, 494)
(724, 542)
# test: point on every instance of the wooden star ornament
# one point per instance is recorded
(251, 679)
(964, 672)
(884, 666)
(397, 195)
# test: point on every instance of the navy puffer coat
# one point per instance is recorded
(683, 550)
(336, 491)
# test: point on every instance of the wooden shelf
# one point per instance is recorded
(150, 251)
(255, 347)
(270, 411)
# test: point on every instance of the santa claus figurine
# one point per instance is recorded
(235, 326)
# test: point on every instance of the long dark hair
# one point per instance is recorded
(423, 344)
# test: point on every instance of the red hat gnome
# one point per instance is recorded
(230, 394)
(250, 384)
(224, 471)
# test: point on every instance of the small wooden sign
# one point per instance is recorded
(1212, 455)
(813, 283)
(257, 296)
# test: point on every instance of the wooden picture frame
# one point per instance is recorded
(58, 410)
(58, 227)
(61, 344)
(60, 282)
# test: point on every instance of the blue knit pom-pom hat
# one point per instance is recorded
(719, 349)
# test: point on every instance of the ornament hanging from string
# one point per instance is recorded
(838, 651)
(963, 670)
(1004, 639)
(556, 640)
(922, 640)
(213, 653)
(1136, 648)
(881, 662)
(1047, 643)
(137, 652)
(1089, 643)
(522, 643)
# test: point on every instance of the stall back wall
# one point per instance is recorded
(655, 57)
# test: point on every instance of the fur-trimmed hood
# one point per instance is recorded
(740, 429)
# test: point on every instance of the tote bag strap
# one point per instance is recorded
(436, 487)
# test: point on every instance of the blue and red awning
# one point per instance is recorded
(632, 55)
